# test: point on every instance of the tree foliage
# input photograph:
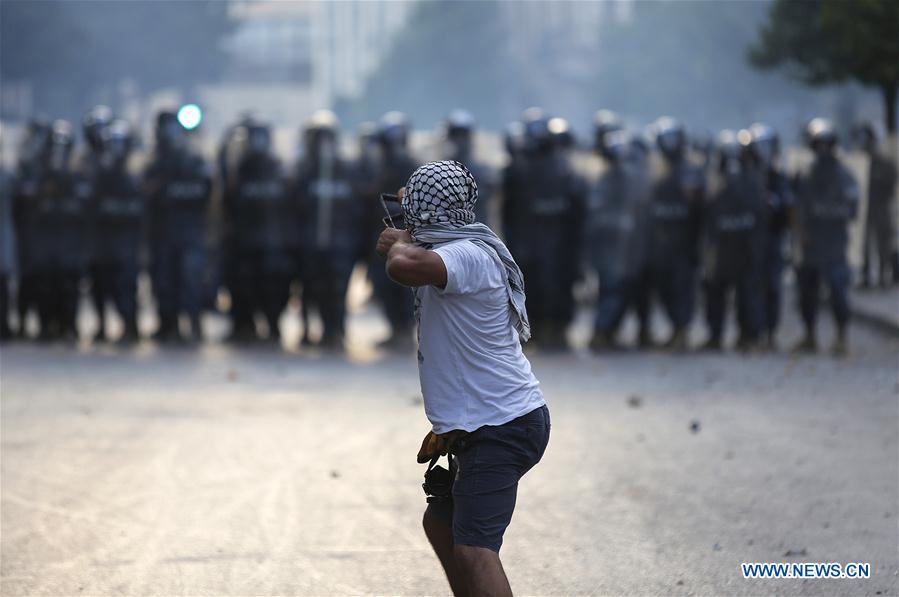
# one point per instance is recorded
(820, 42)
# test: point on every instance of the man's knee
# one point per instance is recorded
(472, 557)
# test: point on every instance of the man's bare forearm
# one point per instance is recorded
(411, 265)
(402, 263)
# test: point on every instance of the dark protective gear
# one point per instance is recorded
(820, 131)
(604, 122)
(459, 134)
(671, 138)
(879, 236)
(396, 167)
(231, 147)
(330, 226)
(537, 136)
(616, 240)
(827, 203)
(25, 205)
(560, 133)
(8, 258)
(779, 200)
(702, 146)
(543, 214)
(837, 279)
(93, 125)
(729, 153)
(119, 218)
(260, 236)
(676, 213)
(514, 139)
(61, 241)
(178, 185)
(736, 229)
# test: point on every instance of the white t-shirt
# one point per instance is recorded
(472, 369)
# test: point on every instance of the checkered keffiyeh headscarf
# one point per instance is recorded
(438, 207)
(440, 193)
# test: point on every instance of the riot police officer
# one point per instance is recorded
(880, 221)
(178, 185)
(827, 201)
(93, 125)
(735, 227)
(397, 164)
(8, 258)
(330, 226)
(29, 173)
(118, 228)
(676, 212)
(543, 212)
(458, 145)
(260, 237)
(61, 244)
(780, 198)
(604, 122)
(512, 179)
(616, 239)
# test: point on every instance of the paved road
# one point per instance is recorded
(225, 472)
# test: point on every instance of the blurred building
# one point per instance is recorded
(289, 58)
(551, 40)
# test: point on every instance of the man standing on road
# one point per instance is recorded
(483, 401)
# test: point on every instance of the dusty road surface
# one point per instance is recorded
(259, 472)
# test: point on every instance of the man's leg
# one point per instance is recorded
(483, 571)
(808, 279)
(440, 535)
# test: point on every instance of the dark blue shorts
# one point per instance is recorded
(489, 462)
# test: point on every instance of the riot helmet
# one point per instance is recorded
(369, 143)
(34, 142)
(560, 133)
(393, 130)
(514, 138)
(459, 129)
(671, 138)
(93, 124)
(865, 137)
(259, 139)
(117, 142)
(821, 135)
(765, 144)
(729, 151)
(321, 134)
(537, 137)
(59, 150)
(170, 135)
(617, 145)
(604, 122)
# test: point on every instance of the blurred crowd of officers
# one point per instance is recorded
(667, 220)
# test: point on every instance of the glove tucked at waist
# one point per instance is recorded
(438, 445)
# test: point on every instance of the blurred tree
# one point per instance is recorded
(77, 52)
(829, 41)
(685, 58)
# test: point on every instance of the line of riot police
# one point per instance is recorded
(666, 227)
(686, 226)
(258, 230)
